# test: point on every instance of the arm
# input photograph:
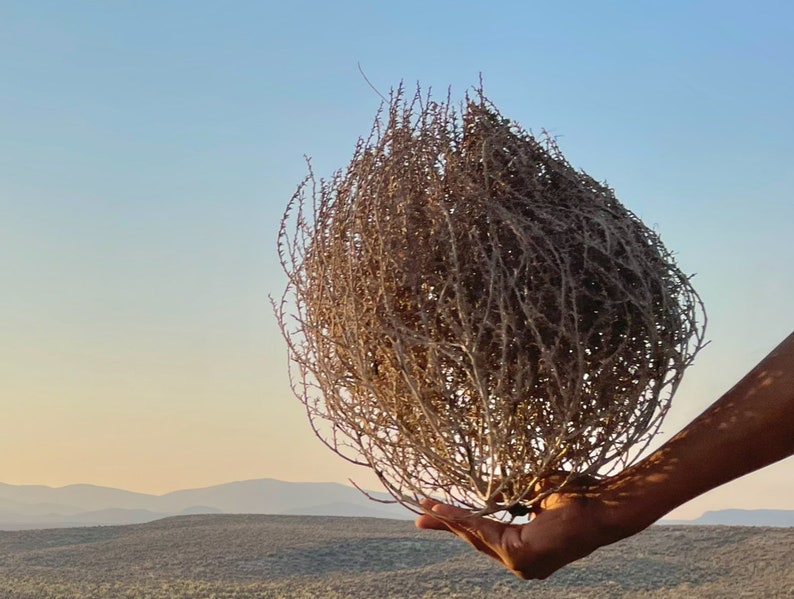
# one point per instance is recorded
(749, 427)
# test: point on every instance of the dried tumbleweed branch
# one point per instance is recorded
(469, 315)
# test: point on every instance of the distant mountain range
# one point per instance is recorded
(37, 506)
(741, 518)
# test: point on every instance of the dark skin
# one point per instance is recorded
(566, 528)
(749, 427)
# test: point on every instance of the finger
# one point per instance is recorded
(490, 531)
(481, 533)
(428, 503)
(440, 516)
(429, 521)
(425, 522)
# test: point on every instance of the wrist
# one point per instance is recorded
(628, 506)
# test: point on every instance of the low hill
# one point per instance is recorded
(748, 518)
(255, 556)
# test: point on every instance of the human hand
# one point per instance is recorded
(568, 525)
(755, 420)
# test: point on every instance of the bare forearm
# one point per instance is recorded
(749, 427)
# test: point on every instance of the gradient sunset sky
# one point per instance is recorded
(148, 149)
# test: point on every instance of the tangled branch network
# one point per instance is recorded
(469, 316)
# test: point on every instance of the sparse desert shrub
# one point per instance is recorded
(469, 314)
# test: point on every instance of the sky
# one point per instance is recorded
(148, 149)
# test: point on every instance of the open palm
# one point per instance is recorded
(568, 525)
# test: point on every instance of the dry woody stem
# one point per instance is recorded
(470, 316)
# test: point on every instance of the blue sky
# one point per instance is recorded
(148, 149)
